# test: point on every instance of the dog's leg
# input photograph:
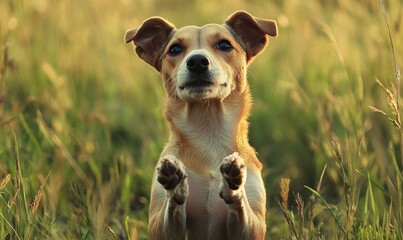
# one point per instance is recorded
(168, 200)
(245, 219)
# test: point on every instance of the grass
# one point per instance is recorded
(81, 124)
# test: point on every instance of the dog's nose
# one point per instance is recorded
(198, 63)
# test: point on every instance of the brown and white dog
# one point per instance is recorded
(208, 183)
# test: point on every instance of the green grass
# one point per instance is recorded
(81, 123)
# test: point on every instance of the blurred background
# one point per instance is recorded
(81, 124)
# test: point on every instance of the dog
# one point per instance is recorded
(207, 183)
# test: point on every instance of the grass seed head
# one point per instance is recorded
(284, 190)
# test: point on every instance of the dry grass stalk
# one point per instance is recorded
(289, 219)
(134, 233)
(101, 215)
(110, 230)
(3, 71)
(37, 199)
(397, 74)
(397, 70)
(4, 181)
(299, 201)
(394, 106)
(347, 178)
(284, 190)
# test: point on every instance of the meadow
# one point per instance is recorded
(81, 124)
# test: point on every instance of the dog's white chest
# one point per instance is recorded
(205, 209)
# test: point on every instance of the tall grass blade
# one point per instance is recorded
(29, 132)
(19, 179)
(328, 207)
(371, 195)
(376, 184)
(10, 226)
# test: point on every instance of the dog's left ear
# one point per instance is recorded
(252, 31)
(150, 38)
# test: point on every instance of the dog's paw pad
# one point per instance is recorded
(179, 199)
(233, 170)
(169, 174)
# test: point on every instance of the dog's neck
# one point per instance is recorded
(204, 132)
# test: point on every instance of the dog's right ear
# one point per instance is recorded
(252, 31)
(150, 39)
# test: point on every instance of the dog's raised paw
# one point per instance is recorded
(233, 169)
(169, 173)
(233, 172)
(172, 176)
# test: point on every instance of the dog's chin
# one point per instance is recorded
(204, 92)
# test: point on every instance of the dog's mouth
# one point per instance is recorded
(199, 83)
(196, 84)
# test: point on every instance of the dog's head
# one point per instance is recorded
(207, 62)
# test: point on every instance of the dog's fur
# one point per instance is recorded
(207, 184)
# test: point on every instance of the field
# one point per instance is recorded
(81, 124)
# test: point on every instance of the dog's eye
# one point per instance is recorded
(175, 50)
(224, 45)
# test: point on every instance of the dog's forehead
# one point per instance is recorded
(207, 31)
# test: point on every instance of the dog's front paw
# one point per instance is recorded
(172, 176)
(233, 172)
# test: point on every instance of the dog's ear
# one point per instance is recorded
(252, 31)
(150, 39)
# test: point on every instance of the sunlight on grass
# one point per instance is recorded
(81, 123)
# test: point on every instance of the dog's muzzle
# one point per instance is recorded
(198, 66)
